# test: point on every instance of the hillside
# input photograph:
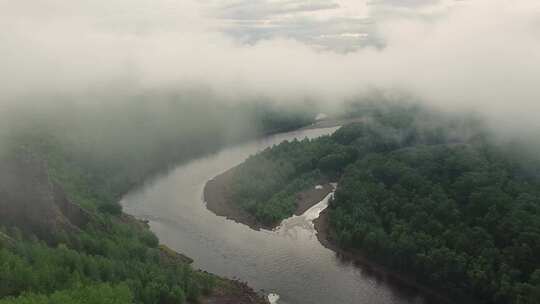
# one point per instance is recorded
(63, 236)
(105, 258)
(432, 196)
(32, 201)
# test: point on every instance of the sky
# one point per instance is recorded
(479, 55)
(343, 25)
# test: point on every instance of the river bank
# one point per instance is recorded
(225, 291)
(217, 192)
(288, 261)
(233, 292)
(332, 122)
(217, 195)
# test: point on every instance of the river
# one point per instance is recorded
(289, 261)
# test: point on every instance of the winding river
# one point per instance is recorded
(289, 261)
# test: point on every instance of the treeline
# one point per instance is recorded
(426, 194)
(459, 217)
(266, 184)
(108, 262)
(98, 294)
(97, 152)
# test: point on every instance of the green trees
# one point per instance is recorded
(266, 184)
(92, 294)
(34, 272)
(426, 194)
(95, 152)
(449, 214)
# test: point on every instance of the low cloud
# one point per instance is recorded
(264, 9)
(477, 55)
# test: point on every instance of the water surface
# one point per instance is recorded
(288, 261)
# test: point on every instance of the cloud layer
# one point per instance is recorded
(482, 55)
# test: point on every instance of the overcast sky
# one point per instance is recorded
(482, 55)
(342, 25)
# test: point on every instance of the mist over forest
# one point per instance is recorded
(458, 55)
(436, 102)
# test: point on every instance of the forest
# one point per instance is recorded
(96, 153)
(434, 196)
(119, 264)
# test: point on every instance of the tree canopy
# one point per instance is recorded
(431, 195)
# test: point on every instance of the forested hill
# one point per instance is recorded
(63, 236)
(54, 251)
(429, 195)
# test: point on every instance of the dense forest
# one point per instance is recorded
(118, 263)
(427, 194)
(82, 248)
(266, 184)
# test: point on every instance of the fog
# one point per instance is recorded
(479, 55)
